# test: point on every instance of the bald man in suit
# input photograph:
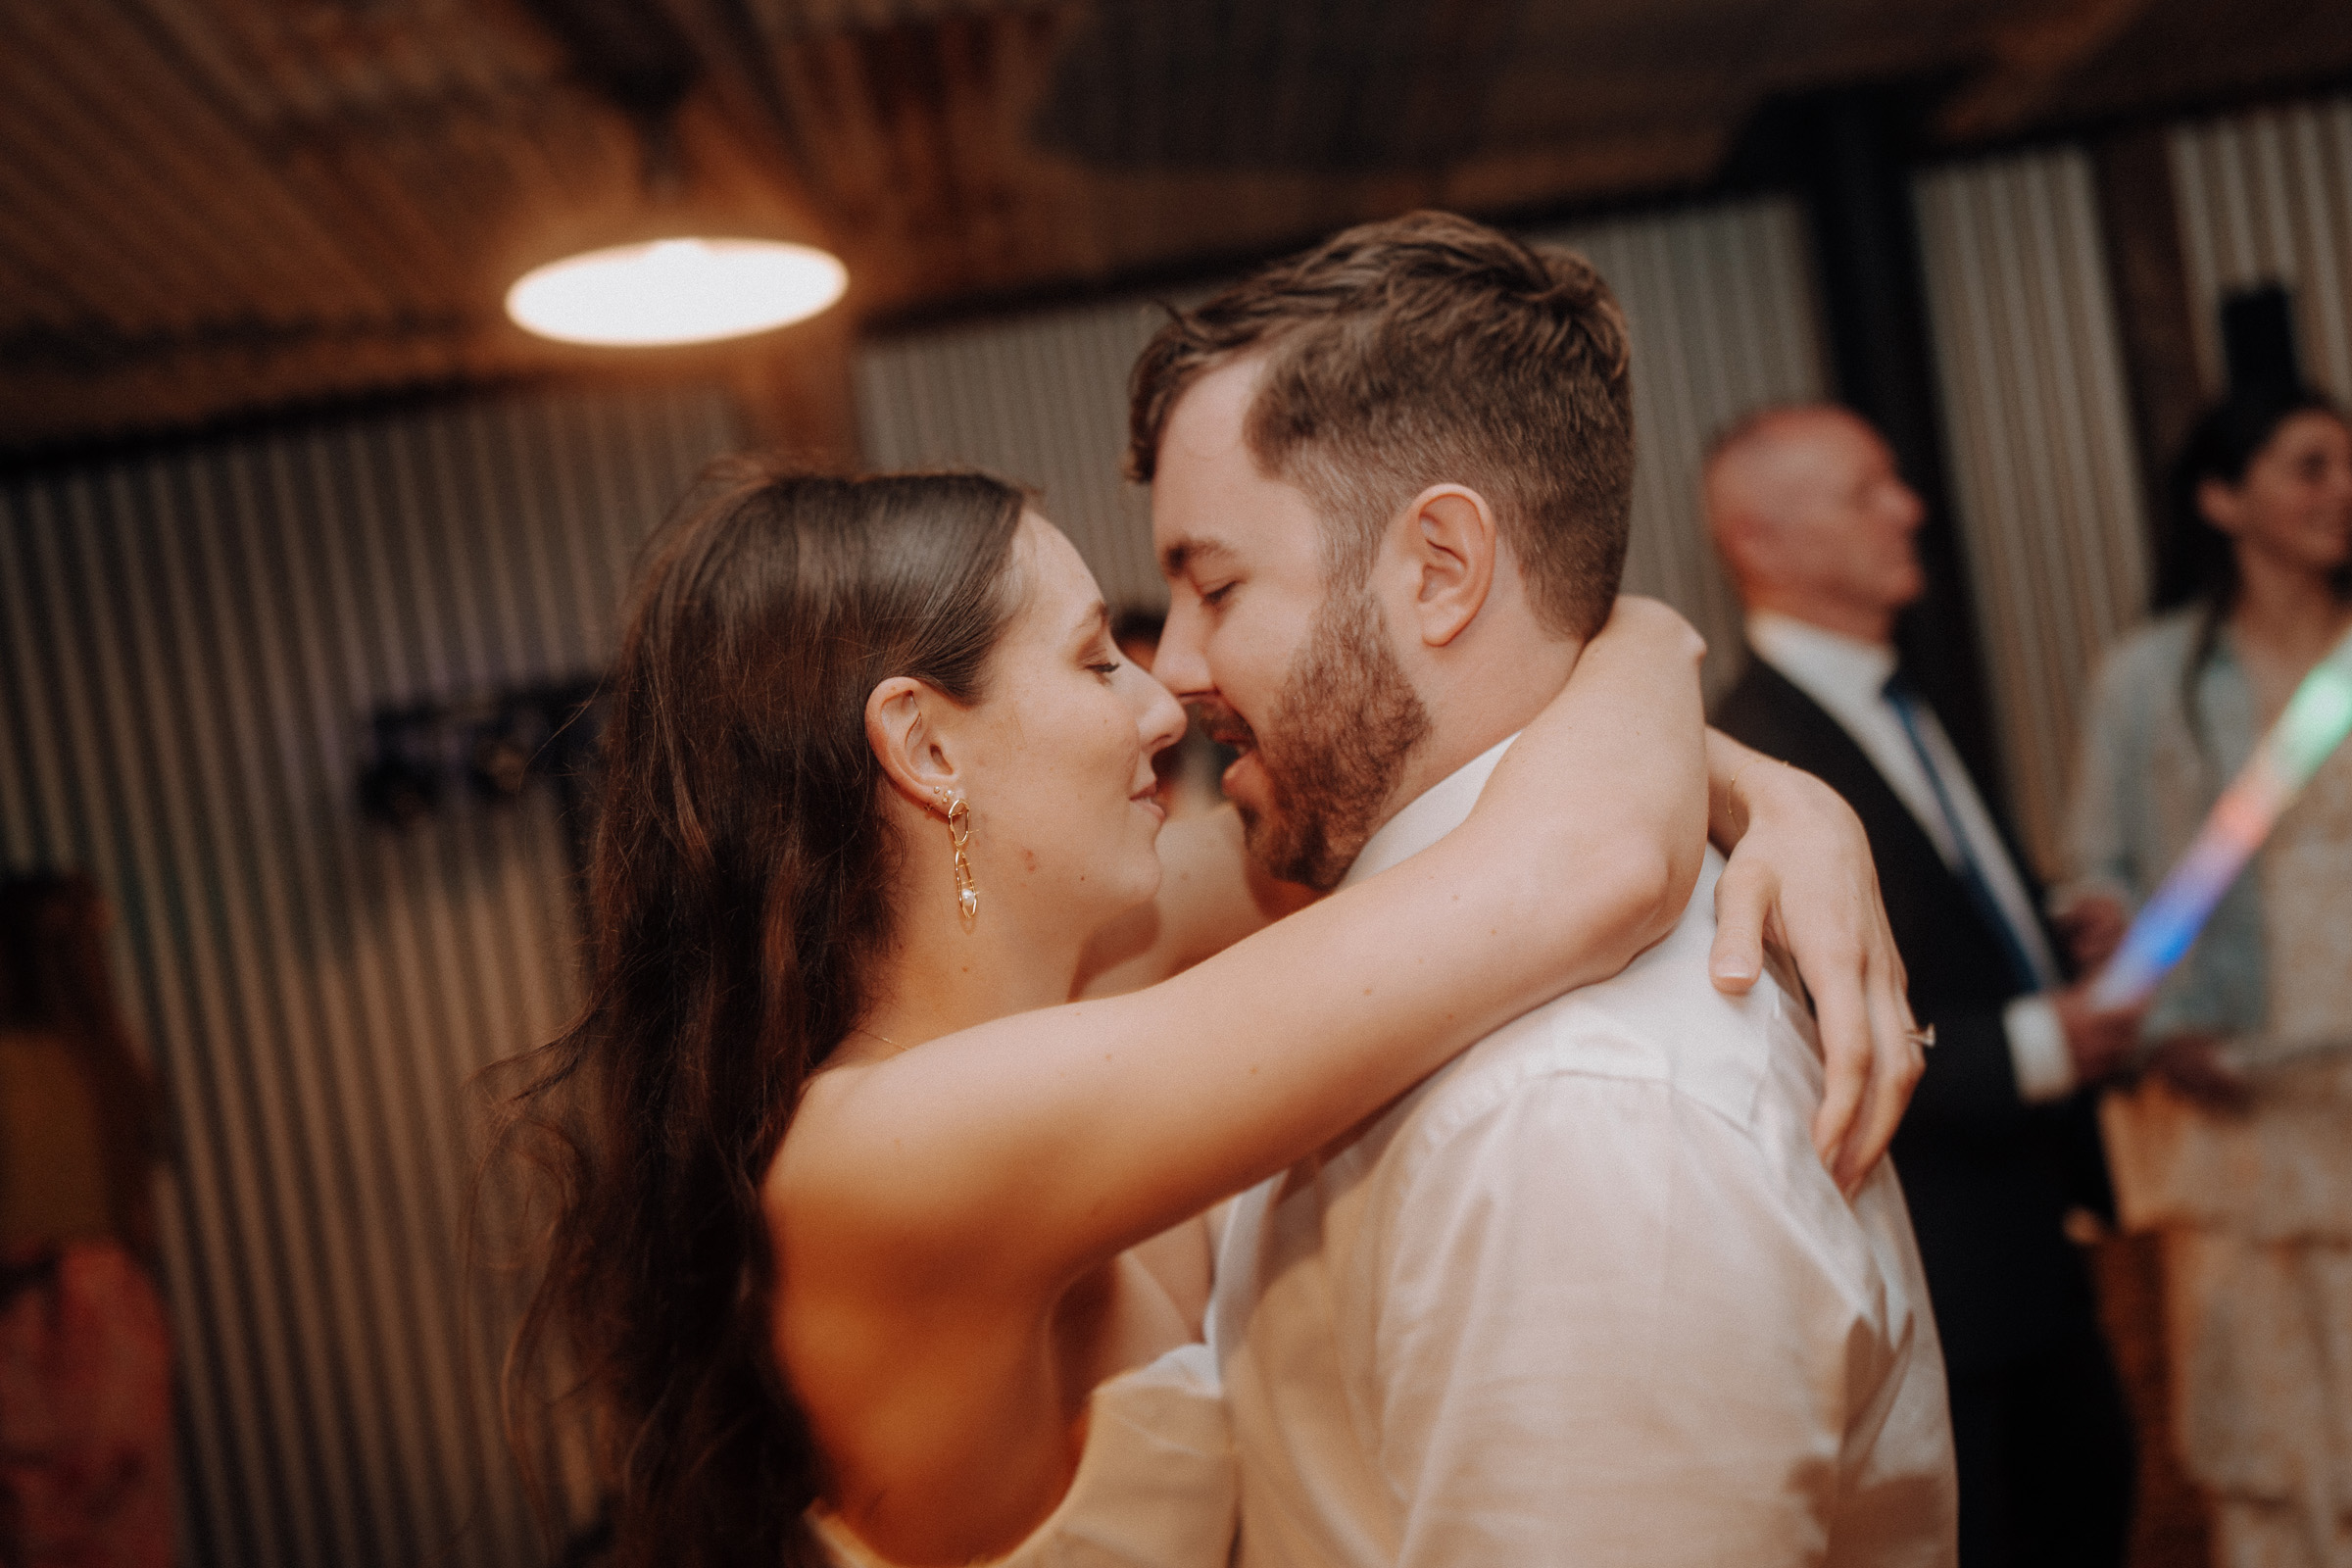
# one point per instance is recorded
(1816, 528)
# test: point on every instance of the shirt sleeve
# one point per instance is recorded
(1597, 1343)
(2045, 1069)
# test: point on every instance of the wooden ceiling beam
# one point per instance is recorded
(121, 156)
(2033, 56)
(226, 160)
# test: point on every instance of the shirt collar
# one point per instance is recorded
(1821, 661)
(1429, 816)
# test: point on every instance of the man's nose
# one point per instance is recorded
(1162, 722)
(1182, 664)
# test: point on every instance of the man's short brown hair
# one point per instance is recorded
(1421, 351)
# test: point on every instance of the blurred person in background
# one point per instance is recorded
(85, 1404)
(2234, 1150)
(1816, 528)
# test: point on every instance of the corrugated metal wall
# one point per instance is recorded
(188, 644)
(2268, 197)
(1041, 398)
(2038, 425)
(1722, 320)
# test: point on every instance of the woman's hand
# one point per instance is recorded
(1800, 876)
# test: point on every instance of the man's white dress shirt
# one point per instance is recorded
(1587, 1296)
(1849, 679)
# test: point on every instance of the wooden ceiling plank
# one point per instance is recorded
(2033, 57)
(255, 35)
(1047, 217)
(851, 152)
(36, 291)
(849, 147)
(738, 65)
(568, 156)
(526, 53)
(927, 204)
(197, 44)
(77, 262)
(187, 127)
(578, 160)
(370, 219)
(132, 156)
(975, 163)
(130, 279)
(75, 174)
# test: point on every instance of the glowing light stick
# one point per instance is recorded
(2317, 720)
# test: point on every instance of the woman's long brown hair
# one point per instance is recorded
(738, 902)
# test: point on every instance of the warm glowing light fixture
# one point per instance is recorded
(675, 291)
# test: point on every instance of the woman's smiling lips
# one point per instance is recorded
(1148, 798)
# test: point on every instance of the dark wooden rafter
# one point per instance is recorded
(2033, 56)
(208, 205)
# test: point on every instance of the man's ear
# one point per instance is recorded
(1451, 540)
(903, 724)
(1744, 558)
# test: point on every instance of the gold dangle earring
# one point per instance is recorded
(959, 834)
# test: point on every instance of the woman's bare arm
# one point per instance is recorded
(1800, 873)
(1013, 1156)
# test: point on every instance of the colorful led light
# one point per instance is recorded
(2315, 721)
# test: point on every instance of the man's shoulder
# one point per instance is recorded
(1660, 1027)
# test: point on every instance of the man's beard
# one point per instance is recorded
(1343, 725)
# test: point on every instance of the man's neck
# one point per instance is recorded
(1475, 713)
(1862, 624)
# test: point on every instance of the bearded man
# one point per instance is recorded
(1587, 1295)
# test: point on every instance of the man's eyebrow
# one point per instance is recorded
(1186, 553)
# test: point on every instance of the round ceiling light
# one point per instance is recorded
(675, 291)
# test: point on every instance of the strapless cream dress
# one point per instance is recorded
(1155, 1487)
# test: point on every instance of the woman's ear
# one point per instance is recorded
(2221, 505)
(1452, 539)
(903, 725)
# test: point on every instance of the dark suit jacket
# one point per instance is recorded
(1988, 1177)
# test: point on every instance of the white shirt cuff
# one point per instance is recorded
(2045, 1069)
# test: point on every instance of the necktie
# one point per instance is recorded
(1907, 705)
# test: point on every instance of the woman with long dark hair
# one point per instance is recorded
(2234, 1150)
(855, 1242)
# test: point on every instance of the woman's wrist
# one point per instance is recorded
(1737, 780)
